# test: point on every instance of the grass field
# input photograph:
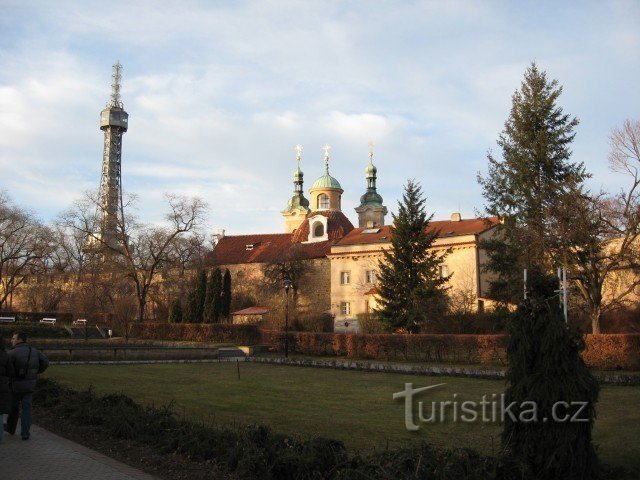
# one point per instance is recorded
(355, 407)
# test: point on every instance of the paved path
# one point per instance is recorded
(48, 456)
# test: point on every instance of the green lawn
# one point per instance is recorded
(355, 407)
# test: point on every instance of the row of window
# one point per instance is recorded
(370, 275)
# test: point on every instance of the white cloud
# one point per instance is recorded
(219, 93)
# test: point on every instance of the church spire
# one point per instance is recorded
(371, 211)
(298, 205)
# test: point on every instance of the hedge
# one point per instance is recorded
(197, 332)
(612, 351)
(468, 349)
(602, 352)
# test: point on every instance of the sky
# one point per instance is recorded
(219, 93)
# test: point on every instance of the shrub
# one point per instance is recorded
(469, 349)
(198, 332)
(254, 451)
(612, 351)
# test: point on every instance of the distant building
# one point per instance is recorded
(343, 260)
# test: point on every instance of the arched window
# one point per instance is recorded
(318, 229)
(323, 200)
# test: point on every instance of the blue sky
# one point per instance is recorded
(219, 93)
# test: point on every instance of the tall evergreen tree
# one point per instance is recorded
(175, 312)
(545, 368)
(213, 297)
(226, 294)
(217, 294)
(411, 288)
(189, 311)
(521, 186)
(200, 294)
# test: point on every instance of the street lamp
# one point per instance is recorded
(287, 287)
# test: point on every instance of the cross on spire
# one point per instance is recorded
(326, 149)
(371, 151)
(298, 149)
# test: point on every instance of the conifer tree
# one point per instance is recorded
(411, 289)
(175, 312)
(533, 172)
(545, 368)
(189, 311)
(226, 294)
(200, 294)
(213, 297)
(217, 294)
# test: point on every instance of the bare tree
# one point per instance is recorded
(598, 235)
(291, 264)
(24, 244)
(138, 250)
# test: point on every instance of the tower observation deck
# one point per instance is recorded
(114, 122)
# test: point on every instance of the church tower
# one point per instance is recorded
(298, 205)
(371, 211)
(326, 192)
(113, 122)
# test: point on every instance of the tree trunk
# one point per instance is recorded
(595, 320)
(142, 301)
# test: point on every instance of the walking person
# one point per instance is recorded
(28, 362)
(6, 372)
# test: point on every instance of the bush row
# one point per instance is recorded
(612, 351)
(467, 349)
(602, 352)
(197, 332)
(253, 452)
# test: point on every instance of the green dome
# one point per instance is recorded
(370, 170)
(326, 181)
(297, 201)
(371, 198)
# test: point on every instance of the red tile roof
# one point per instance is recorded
(262, 248)
(338, 225)
(447, 228)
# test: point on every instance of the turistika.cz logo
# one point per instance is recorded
(490, 409)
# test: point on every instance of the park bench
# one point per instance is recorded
(81, 322)
(49, 321)
(7, 319)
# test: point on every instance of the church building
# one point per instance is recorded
(343, 260)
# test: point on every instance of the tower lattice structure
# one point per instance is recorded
(113, 122)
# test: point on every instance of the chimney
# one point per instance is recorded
(456, 217)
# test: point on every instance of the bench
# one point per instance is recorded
(81, 322)
(7, 319)
(49, 321)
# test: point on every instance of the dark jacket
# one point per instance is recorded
(25, 375)
(6, 372)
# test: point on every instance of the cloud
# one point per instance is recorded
(220, 93)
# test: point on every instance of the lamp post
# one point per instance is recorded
(287, 287)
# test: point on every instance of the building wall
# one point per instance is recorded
(463, 264)
(247, 279)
